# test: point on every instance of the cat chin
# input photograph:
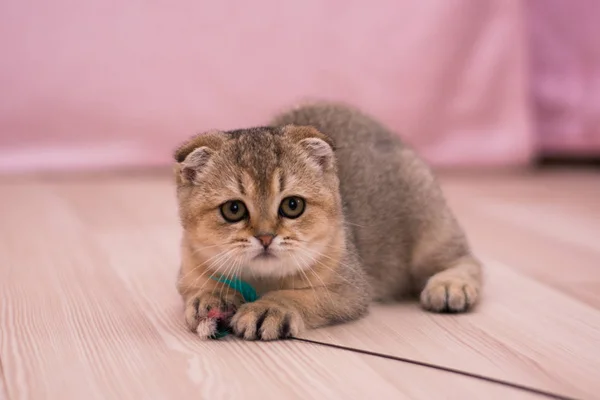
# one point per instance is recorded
(280, 264)
(271, 267)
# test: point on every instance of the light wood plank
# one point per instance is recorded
(83, 325)
(523, 332)
(88, 307)
(520, 232)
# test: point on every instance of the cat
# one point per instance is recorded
(323, 211)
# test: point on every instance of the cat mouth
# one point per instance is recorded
(265, 255)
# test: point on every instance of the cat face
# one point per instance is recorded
(260, 202)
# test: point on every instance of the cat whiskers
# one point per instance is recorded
(330, 246)
(199, 249)
(222, 262)
(335, 247)
(301, 269)
(353, 224)
(239, 263)
(232, 267)
(214, 258)
(311, 269)
(316, 260)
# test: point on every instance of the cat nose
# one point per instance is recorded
(265, 239)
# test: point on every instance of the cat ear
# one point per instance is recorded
(319, 150)
(193, 156)
(211, 139)
(319, 147)
(193, 165)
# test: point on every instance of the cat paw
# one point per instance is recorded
(206, 314)
(264, 320)
(449, 295)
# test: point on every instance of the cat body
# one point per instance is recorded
(323, 211)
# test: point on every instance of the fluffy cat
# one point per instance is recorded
(323, 211)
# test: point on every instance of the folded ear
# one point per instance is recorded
(319, 150)
(194, 163)
(193, 156)
(319, 147)
(210, 139)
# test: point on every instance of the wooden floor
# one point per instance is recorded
(88, 307)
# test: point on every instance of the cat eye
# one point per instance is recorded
(234, 211)
(292, 207)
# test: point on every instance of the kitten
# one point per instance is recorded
(320, 229)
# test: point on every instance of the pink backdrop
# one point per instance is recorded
(565, 54)
(106, 83)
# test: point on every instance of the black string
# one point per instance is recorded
(440, 368)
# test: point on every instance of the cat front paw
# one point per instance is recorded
(266, 320)
(206, 314)
(449, 295)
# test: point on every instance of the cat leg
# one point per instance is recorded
(454, 289)
(329, 292)
(209, 304)
(283, 313)
(444, 272)
(210, 309)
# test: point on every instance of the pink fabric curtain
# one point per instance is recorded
(100, 84)
(565, 61)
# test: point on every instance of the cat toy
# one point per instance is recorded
(217, 321)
